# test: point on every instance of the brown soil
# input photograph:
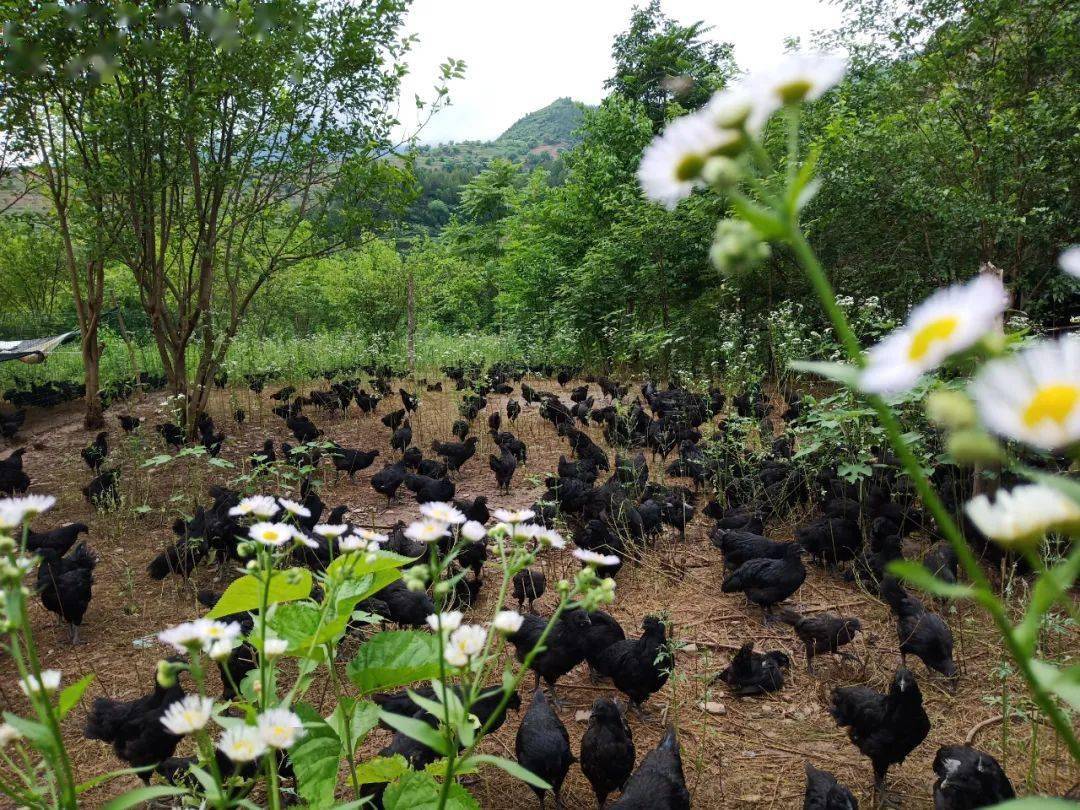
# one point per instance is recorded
(746, 753)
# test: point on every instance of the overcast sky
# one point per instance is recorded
(523, 55)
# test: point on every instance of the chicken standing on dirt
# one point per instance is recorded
(456, 453)
(823, 792)
(13, 481)
(59, 540)
(503, 466)
(822, 633)
(920, 632)
(529, 585)
(65, 585)
(542, 746)
(658, 784)
(94, 454)
(638, 667)
(564, 647)
(885, 727)
(134, 727)
(607, 750)
(768, 582)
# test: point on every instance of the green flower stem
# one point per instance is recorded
(350, 754)
(267, 564)
(448, 729)
(806, 257)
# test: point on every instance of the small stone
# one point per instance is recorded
(582, 715)
(689, 648)
(753, 798)
(712, 707)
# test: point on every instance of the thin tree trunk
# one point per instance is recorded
(410, 326)
(94, 418)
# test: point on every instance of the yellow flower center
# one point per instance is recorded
(931, 333)
(1053, 402)
(270, 537)
(794, 91)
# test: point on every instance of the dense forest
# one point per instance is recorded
(760, 388)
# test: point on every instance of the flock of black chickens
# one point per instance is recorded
(607, 505)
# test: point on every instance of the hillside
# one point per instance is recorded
(536, 139)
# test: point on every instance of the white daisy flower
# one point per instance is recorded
(273, 647)
(1027, 512)
(304, 540)
(50, 682)
(187, 715)
(294, 508)
(272, 534)
(370, 536)
(442, 512)
(1034, 395)
(242, 743)
(549, 538)
(473, 531)
(507, 621)
(450, 621)
(465, 642)
(426, 531)
(183, 637)
(356, 543)
(671, 165)
(734, 107)
(15, 511)
(328, 531)
(279, 728)
(592, 558)
(258, 505)
(1069, 260)
(799, 77)
(949, 321)
(513, 515)
(8, 735)
(221, 649)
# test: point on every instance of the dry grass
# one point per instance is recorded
(750, 754)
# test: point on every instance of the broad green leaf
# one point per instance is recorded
(394, 658)
(355, 564)
(141, 795)
(417, 730)
(844, 373)
(246, 593)
(297, 623)
(362, 719)
(356, 590)
(1065, 683)
(512, 768)
(419, 791)
(917, 575)
(381, 769)
(71, 695)
(316, 758)
(157, 461)
(1036, 803)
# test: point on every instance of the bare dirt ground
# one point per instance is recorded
(743, 753)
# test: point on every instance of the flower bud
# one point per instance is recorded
(722, 172)
(950, 409)
(972, 446)
(737, 247)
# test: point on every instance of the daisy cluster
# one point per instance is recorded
(275, 729)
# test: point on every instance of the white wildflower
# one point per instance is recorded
(592, 558)
(1027, 512)
(507, 621)
(449, 621)
(426, 531)
(187, 715)
(442, 512)
(280, 728)
(49, 682)
(272, 534)
(242, 743)
(258, 505)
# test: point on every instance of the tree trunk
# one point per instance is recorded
(94, 418)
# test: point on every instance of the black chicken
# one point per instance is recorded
(941, 561)
(303, 428)
(389, 479)
(513, 410)
(476, 509)
(920, 632)
(822, 633)
(503, 466)
(351, 461)
(607, 750)
(884, 727)
(129, 423)
(832, 540)
(968, 779)
(59, 540)
(823, 792)
(658, 783)
(407, 608)
(768, 582)
(542, 746)
(10, 423)
(751, 673)
(102, 492)
(456, 453)
(410, 402)
(428, 490)
(460, 429)
(740, 546)
(639, 667)
(402, 437)
(13, 481)
(65, 584)
(564, 648)
(134, 727)
(173, 435)
(94, 454)
(529, 584)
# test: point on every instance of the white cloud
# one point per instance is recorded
(522, 56)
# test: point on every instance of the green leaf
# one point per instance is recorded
(420, 791)
(32, 730)
(156, 461)
(356, 590)
(1051, 585)
(844, 373)
(141, 795)
(297, 623)
(765, 222)
(362, 719)
(1065, 683)
(1036, 803)
(316, 758)
(417, 730)
(70, 697)
(394, 658)
(245, 593)
(355, 564)
(381, 769)
(512, 768)
(916, 574)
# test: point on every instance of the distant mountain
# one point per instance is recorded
(536, 139)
